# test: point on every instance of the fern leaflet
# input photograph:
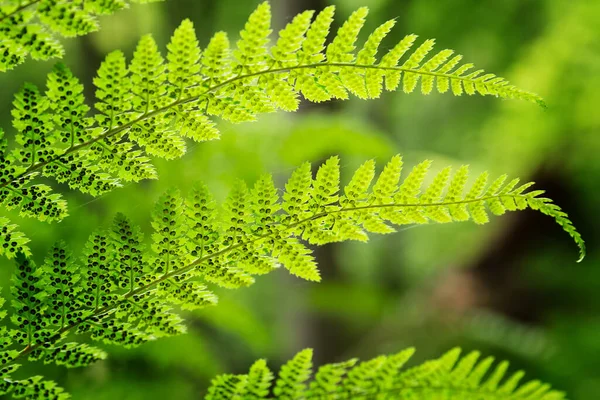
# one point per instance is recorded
(12, 241)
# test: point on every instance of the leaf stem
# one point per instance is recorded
(19, 9)
(114, 131)
(199, 261)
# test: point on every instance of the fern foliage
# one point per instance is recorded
(149, 107)
(30, 27)
(34, 387)
(12, 241)
(125, 291)
(450, 377)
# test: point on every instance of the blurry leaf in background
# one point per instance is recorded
(564, 64)
(317, 136)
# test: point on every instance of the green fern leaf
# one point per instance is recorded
(127, 253)
(29, 304)
(293, 375)
(291, 39)
(373, 78)
(114, 106)
(98, 276)
(149, 107)
(342, 46)
(326, 185)
(12, 242)
(251, 48)
(196, 243)
(226, 386)
(545, 206)
(70, 355)
(34, 387)
(31, 27)
(61, 287)
(387, 183)
(328, 378)
(448, 377)
(316, 36)
(259, 381)
(195, 240)
(169, 237)
(362, 378)
(183, 61)
(123, 293)
(298, 193)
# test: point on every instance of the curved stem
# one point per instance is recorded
(19, 9)
(112, 132)
(142, 289)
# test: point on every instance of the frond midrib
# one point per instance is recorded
(19, 9)
(143, 117)
(199, 261)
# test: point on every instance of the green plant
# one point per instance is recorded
(122, 294)
(119, 292)
(149, 108)
(30, 27)
(448, 377)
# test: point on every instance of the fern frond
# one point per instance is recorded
(149, 107)
(31, 27)
(195, 240)
(120, 292)
(446, 378)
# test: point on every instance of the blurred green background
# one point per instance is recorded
(511, 288)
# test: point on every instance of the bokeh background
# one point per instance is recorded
(511, 288)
